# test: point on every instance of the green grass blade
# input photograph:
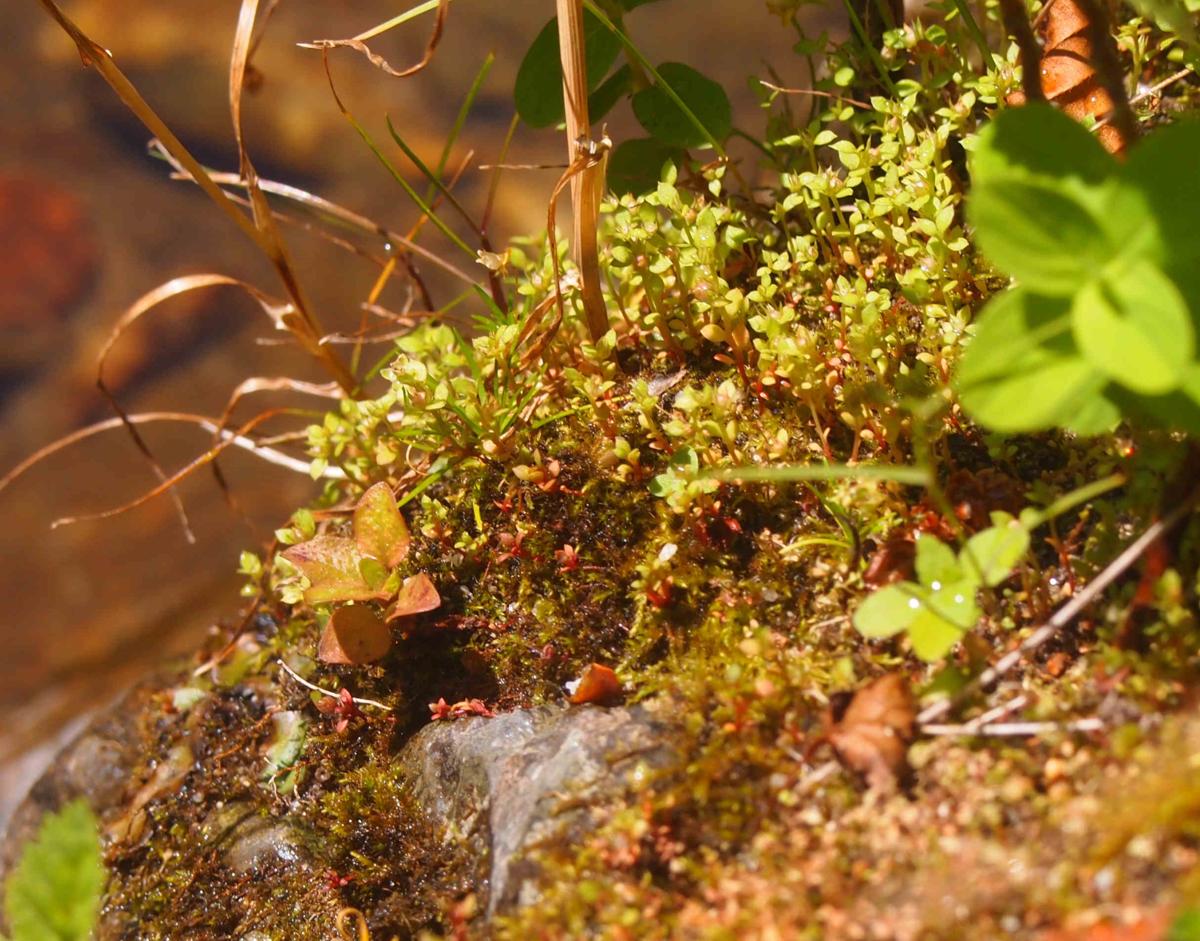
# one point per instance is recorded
(781, 473)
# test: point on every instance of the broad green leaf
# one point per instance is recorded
(935, 562)
(1038, 140)
(1134, 326)
(666, 121)
(379, 529)
(888, 611)
(289, 732)
(1050, 242)
(538, 92)
(636, 166)
(1163, 168)
(993, 552)
(54, 892)
(609, 92)
(331, 565)
(1022, 371)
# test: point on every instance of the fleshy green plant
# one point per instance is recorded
(1103, 319)
(940, 607)
(54, 892)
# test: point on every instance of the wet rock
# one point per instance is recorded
(531, 778)
(259, 844)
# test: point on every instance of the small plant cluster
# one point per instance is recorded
(1102, 322)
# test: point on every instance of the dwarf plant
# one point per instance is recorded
(938, 608)
(1102, 320)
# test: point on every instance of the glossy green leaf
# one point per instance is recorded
(1022, 371)
(1033, 230)
(54, 892)
(935, 562)
(538, 92)
(667, 122)
(991, 553)
(887, 611)
(379, 530)
(1133, 326)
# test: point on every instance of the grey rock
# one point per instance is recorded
(531, 778)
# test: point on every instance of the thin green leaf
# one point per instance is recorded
(898, 473)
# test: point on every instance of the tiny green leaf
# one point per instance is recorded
(379, 529)
(1134, 326)
(935, 563)
(888, 611)
(666, 121)
(992, 553)
(538, 92)
(54, 892)
(932, 637)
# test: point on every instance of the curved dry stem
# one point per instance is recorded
(260, 449)
(359, 45)
(190, 468)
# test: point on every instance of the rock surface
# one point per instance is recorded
(492, 789)
(531, 778)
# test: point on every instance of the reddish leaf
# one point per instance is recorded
(354, 635)
(331, 564)
(459, 710)
(872, 735)
(417, 595)
(598, 684)
(379, 529)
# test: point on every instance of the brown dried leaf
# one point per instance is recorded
(417, 595)
(331, 564)
(354, 635)
(872, 735)
(597, 684)
(379, 529)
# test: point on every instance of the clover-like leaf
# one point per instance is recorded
(932, 637)
(379, 530)
(935, 562)
(1023, 371)
(1134, 326)
(991, 553)
(889, 610)
(417, 595)
(331, 565)
(1038, 232)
